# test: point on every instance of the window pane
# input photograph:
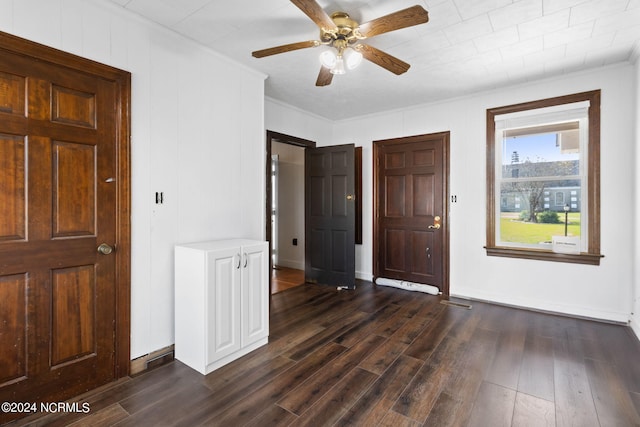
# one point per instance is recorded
(529, 215)
(540, 155)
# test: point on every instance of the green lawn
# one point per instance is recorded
(514, 230)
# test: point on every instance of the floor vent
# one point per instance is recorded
(455, 304)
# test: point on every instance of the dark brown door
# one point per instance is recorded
(411, 210)
(58, 203)
(330, 215)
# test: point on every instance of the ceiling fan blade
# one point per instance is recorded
(383, 59)
(394, 21)
(284, 48)
(325, 77)
(316, 13)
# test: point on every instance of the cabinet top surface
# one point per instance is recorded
(219, 244)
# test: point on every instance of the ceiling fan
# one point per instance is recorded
(345, 36)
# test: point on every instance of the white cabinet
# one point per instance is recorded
(221, 301)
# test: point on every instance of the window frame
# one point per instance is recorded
(592, 257)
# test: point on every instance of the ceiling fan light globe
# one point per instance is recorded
(339, 66)
(353, 59)
(328, 59)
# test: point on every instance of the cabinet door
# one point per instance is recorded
(255, 288)
(223, 303)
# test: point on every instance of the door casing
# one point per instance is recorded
(285, 139)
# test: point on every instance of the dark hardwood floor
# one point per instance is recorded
(389, 357)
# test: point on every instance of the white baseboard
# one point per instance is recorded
(364, 276)
(544, 306)
(289, 263)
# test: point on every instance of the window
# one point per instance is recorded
(543, 159)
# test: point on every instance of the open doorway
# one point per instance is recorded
(321, 218)
(287, 216)
(285, 209)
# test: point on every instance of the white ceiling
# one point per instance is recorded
(467, 45)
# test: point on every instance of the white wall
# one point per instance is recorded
(635, 318)
(197, 136)
(603, 291)
(283, 118)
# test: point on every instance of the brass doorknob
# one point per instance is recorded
(105, 249)
(436, 223)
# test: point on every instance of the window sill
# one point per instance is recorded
(542, 255)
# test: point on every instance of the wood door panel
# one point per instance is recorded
(73, 309)
(38, 89)
(394, 250)
(12, 187)
(19, 257)
(317, 206)
(13, 318)
(423, 206)
(73, 107)
(339, 160)
(12, 94)
(39, 189)
(422, 243)
(424, 157)
(339, 242)
(339, 203)
(74, 189)
(316, 258)
(394, 160)
(395, 196)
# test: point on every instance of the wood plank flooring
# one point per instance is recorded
(381, 356)
(283, 278)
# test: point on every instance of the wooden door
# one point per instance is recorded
(411, 237)
(60, 198)
(330, 215)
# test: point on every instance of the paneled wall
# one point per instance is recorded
(197, 137)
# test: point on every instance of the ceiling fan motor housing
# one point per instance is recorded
(345, 31)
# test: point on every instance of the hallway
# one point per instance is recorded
(283, 278)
